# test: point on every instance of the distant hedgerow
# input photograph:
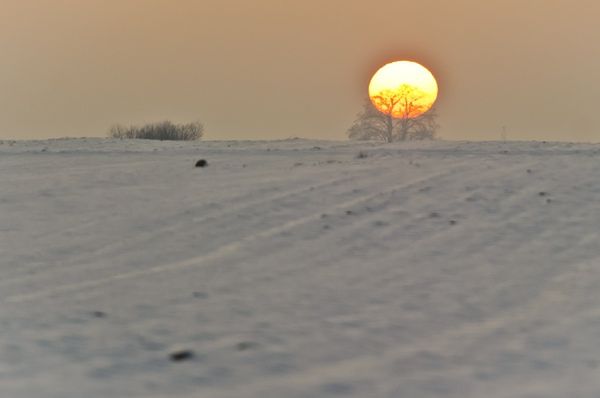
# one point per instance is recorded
(159, 131)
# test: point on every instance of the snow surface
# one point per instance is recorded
(297, 269)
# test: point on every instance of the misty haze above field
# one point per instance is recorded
(270, 69)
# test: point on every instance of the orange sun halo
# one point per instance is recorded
(403, 89)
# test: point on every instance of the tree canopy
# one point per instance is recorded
(397, 115)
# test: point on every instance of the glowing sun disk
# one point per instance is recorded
(403, 89)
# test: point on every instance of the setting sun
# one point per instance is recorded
(403, 89)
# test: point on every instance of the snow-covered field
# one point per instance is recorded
(297, 269)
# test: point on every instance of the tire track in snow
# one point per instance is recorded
(229, 210)
(227, 248)
(446, 341)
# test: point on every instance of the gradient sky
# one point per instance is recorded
(261, 69)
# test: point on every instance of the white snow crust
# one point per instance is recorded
(297, 269)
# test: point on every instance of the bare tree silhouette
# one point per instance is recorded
(395, 115)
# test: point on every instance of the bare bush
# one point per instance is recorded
(159, 131)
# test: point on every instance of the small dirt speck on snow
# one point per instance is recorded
(200, 295)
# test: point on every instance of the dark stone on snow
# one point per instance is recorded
(201, 163)
(98, 314)
(182, 355)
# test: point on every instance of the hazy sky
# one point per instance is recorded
(253, 69)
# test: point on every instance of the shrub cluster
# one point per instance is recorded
(159, 131)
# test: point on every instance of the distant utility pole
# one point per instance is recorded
(503, 133)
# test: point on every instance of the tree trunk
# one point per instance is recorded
(389, 128)
(404, 127)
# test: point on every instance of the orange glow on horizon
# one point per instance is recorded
(403, 89)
